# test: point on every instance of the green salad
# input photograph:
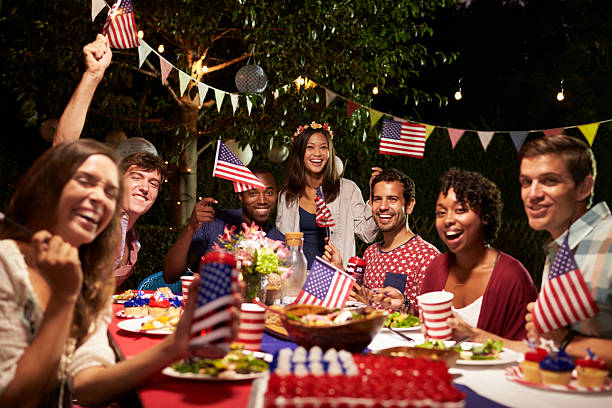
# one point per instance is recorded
(490, 350)
(397, 320)
(235, 362)
(433, 344)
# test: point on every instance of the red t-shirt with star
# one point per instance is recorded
(411, 258)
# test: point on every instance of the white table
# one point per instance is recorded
(490, 382)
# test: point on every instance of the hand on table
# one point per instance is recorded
(202, 212)
(59, 263)
(360, 293)
(388, 297)
(98, 56)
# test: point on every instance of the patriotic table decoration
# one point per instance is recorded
(325, 285)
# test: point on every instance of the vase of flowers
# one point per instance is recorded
(257, 256)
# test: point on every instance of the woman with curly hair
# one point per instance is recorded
(491, 288)
(56, 280)
(312, 166)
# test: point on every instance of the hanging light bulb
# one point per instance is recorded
(458, 94)
(375, 90)
(560, 94)
(160, 48)
(140, 34)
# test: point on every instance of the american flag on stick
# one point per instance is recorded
(403, 138)
(120, 27)
(326, 285)
(212, 317)
(323, 217)
(229, 167)
(565, 298)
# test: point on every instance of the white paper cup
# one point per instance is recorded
(185, 282)
(252, 322)
(436, 308)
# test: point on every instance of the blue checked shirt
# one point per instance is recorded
(591, 241)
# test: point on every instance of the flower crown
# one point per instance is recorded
(314, 125)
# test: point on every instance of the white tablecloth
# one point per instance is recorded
(490, 382)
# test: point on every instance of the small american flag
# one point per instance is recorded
(323, 217)
(212, 317)
(229, 167)
(326, 285)
(120, 26)
(402, 138)
(565, 297)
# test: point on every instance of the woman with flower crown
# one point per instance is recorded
(311, 167)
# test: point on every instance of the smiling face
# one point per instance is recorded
(389, 208)
(551, 198)
(316, 154)
(140, 190)
(257, 204)
(459, 226)
(88, 200)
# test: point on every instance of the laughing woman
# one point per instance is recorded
(491, 288)
(312, 164)
(56, 285)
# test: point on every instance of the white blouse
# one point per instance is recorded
(471, 312)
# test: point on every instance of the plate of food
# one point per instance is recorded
(515, 374)
(402, 322)
(237, 365)
(161, 325)
(491, 352)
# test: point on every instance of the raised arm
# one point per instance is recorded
(178, 259)
(97, 58)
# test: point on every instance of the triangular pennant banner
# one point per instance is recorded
(428, 130)
(589, 131)
(374, 117)
(551, 132)
(329, 97)
(165, 68)
(351, 107)
(485, 138)
(143, 52)
(234, 99)
(96, 7)
(455, 135)
(518, 138)
(219, 95)
(183, 82)
(249, 105)
(202, 91)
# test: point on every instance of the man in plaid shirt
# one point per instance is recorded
(557, 176)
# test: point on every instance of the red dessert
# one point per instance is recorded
(381, 381)
(531, 365)
(159, 307)
(591, 371)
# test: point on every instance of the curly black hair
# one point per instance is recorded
(480, 193)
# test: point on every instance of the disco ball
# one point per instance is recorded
(251, 79)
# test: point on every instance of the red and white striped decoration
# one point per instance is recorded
(252, 322)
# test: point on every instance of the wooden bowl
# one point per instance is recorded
(448, 356)
(353, 336)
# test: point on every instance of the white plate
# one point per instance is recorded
(505, 357)
(402, 329)
(516, 374)
(352, 304)
(171, 372)
(133, 325)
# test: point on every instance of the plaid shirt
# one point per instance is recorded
(591, 241)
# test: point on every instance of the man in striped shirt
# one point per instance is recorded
(557, 176)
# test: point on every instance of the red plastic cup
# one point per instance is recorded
(436, 308)
(252, 322)
(185, 283)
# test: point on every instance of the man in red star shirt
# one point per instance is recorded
(396, 266)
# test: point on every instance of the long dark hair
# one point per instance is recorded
(34, 205)
(296, 171)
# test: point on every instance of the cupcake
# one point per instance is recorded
(159, 306)
(175, 307)
(531, 364)
(136, 307)
(557, 368)
(591, 371)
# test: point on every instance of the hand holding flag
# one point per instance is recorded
(120, 26)
(565, 298)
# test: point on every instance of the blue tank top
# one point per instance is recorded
(314, 244)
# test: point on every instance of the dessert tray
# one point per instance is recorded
(516, 374)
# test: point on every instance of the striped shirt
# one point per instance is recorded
(591, 241)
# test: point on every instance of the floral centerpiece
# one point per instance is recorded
(257, 256)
